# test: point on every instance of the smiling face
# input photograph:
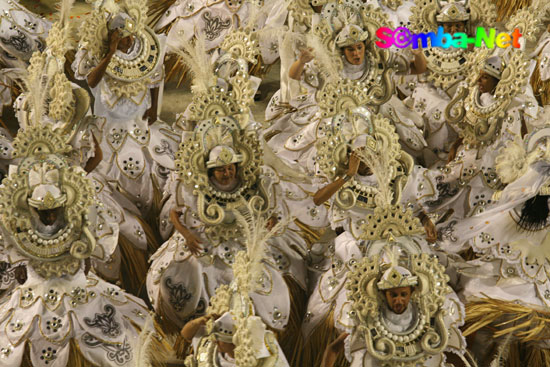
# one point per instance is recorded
(355, 54)
(486, 83)
(225, 178)
(398, 298)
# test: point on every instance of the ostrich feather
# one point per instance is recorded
(254, 227)
(197, 60)
(144, 345)
(380, 164)
(65, 12)
(324, 58)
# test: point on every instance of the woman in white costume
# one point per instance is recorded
(291, 132)
(220, 171)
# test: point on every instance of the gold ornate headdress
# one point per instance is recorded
(48, 92)
(453, 11)
(239, 324)
(397, 277)
(44, 180)
(427, 337)
(446, 68)
(191, 165)
(127, 77)
(210, 99)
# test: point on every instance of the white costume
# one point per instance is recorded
(121, 98)
(59, 316)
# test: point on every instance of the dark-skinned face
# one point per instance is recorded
(125, 43)
(486, 83)
(227, 348)
(47, 217)
(398, 299)
(454, 27)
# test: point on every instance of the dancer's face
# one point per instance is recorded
(454, 27)
(486, 83)
(398, 299)
(225, 177)
(355, 54)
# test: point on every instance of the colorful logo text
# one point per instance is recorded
(402, 37)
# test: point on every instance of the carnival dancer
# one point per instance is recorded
(446, 68)
(62, 314)
(238, 337)
(121, 59)
(291, 132)
(496, 110)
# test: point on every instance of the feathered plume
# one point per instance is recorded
(324, 58)
(197, 60)
(381, 165)
(65, 12)
(144, 345)
(46, 73)
(248, 271)
(254, 225)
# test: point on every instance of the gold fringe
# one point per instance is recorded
(309, 235)
(150, 235)
(175, 69)
(522, 355)
(154, 239)
(291, 340)
(506, 8)
(320, 338)
(524, 323)
(157, 8)
(133, 268)
(259, 69)
(167, 325)
(540, 89)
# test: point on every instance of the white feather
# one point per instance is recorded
(197, 59)
(143, 353)
(324, 58)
